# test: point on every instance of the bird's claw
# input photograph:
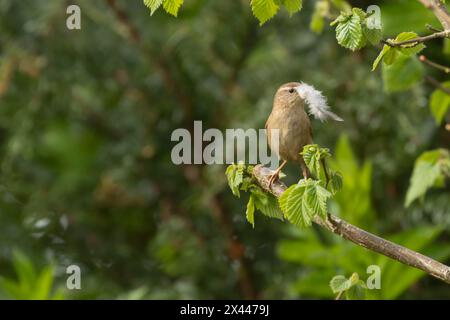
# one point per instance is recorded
(275, 176)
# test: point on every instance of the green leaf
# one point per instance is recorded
(349, 32)
(335, 184)
(313, 154)
(250, 212)
(409, 49)
(391, 56)
(339, 283)
(373, 35)
(153, 5)
(403, 74)
(321, 9)
(316, 199)
(301, 202)
(264, 10)
(172, 6)
(235, 175)
(282, 200)
(426, 174)
(356, 291)
(296, 211)
(266, 203)
(44, 284)
(380, 56)
(24, 269)
(293, 6)
(440, 102)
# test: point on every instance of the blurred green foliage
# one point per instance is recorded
(86, 176)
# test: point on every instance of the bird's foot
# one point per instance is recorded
(273, 177)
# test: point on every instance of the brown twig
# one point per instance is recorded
(440, 11)
(438, 66)
(361, 237)
(437, 84)
(416, 41)
(431, 28)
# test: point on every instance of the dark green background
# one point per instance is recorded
(86, 176)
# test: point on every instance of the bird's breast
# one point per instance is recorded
(294, 131)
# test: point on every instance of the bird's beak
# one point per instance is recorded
(299, 91)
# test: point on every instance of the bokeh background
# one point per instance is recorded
(86, 176)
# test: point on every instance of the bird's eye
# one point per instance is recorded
(291, 90)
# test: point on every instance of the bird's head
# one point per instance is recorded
(287, 96)
(297, 94)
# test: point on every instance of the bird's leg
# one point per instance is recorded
(274, 176)
(305, 170)
(324, 165)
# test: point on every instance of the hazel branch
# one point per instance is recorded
(361, 237)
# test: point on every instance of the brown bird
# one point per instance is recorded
(290, 118)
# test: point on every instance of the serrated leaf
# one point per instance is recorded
(296, 211)
(235, 177)
(266, 203)
(250, 212)
(315, 197)
(335, 184)
(153, 5)
(264, 10)
(403, 74)
(282, 200)
(349, 32)
(313, 155)
(172, 6)
(293, 6)
(440, 102)
(339, 283)
(361, 13)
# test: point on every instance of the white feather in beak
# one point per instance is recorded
(317, 103)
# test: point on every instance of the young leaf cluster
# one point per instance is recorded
(353, 287)
(308, 198)
(170, 6)
(240, 178)
(390, 54)
(265, 10)
(352, 31)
